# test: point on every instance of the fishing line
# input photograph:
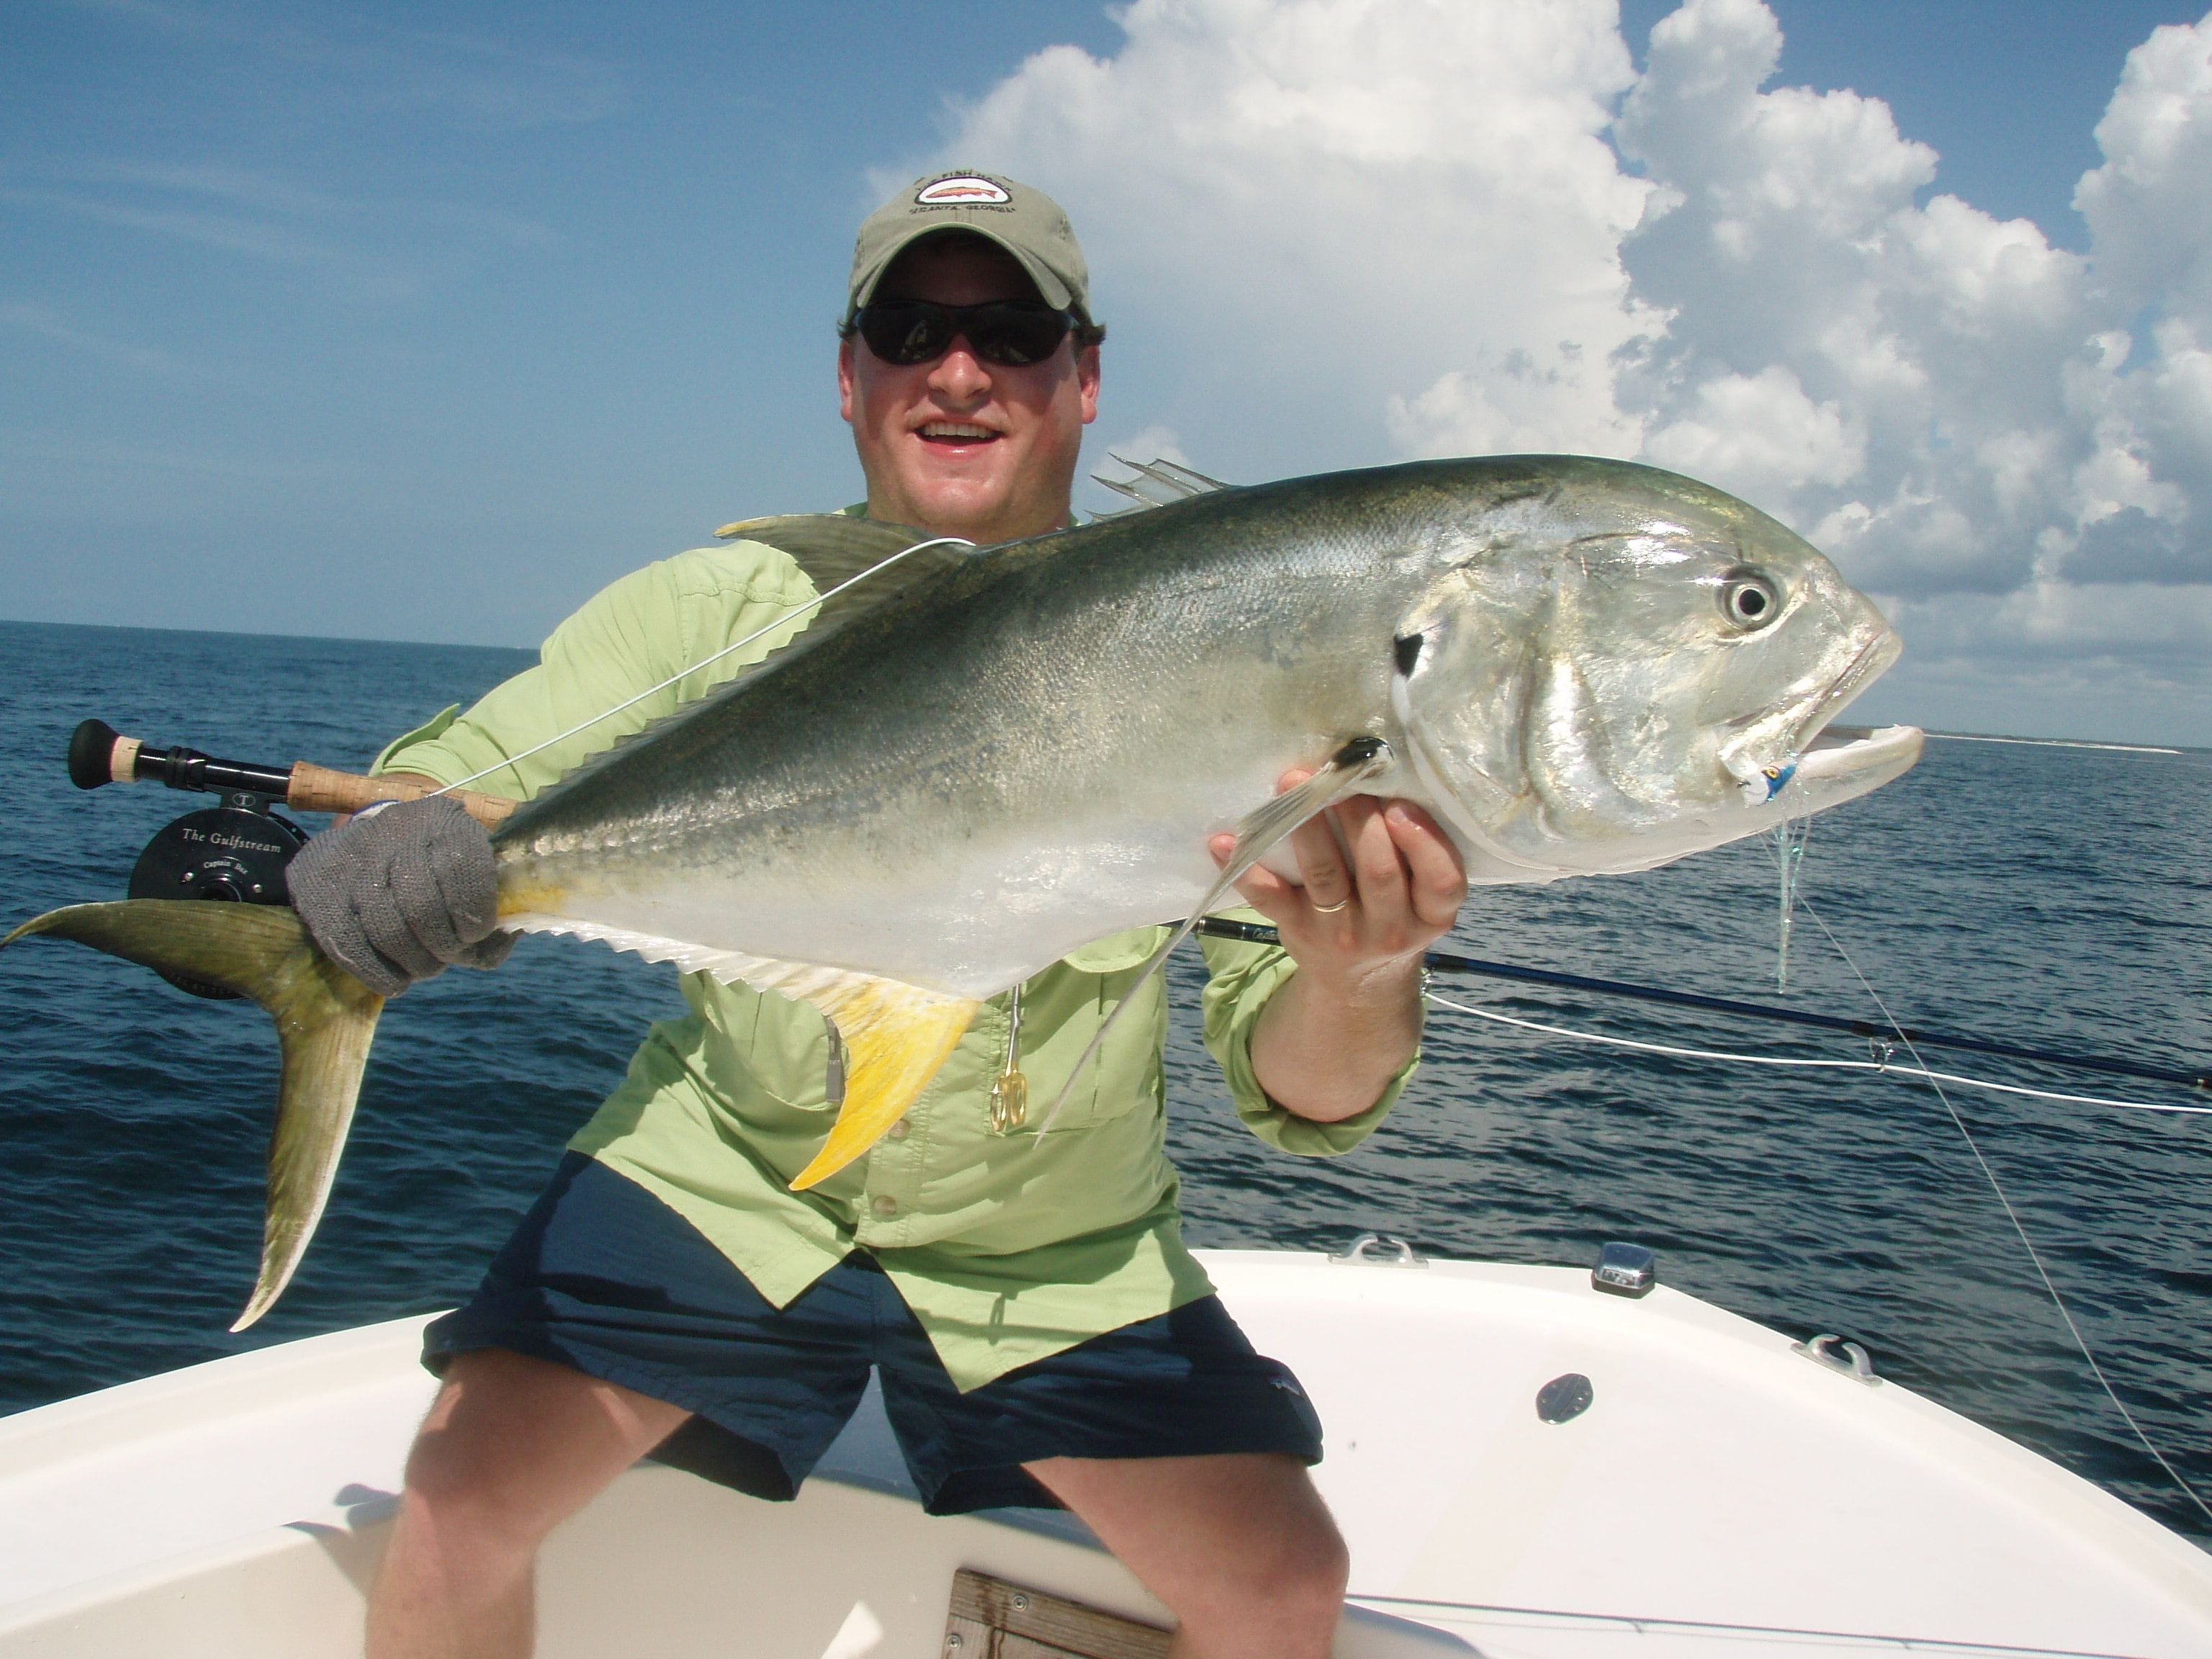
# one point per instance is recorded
(1643, 1625)
(1790, 840)
(1881, 1069)
(2012, 1216)
(1441, 962)
(816, 603)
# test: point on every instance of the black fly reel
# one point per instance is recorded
(234, 853)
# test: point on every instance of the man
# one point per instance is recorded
(1040, 1333)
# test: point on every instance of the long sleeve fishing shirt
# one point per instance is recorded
(1006, 1250)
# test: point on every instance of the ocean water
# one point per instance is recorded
(2054, 897)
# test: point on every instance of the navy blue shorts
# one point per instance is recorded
(604, 1277)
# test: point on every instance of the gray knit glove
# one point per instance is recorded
(401, 893)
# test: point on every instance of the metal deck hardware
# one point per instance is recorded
(1852, 1362)
(1356, 1254)
(1625, 1270)
(1564, 1399)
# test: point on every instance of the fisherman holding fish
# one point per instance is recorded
(892, 855)
(1041, 1334)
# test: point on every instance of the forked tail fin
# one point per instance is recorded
(325, 1020)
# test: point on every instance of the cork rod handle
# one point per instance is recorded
(319, 789)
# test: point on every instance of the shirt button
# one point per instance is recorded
(885, 1205)
(897, 1130)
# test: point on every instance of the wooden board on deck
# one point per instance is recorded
(993, 1619)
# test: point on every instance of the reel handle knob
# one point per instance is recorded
(98, 754)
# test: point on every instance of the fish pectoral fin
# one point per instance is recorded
(1347, 772)
(1355, 765)
(895, 1038)
(325, 1021)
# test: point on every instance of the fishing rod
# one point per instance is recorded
(98, 754)
(238, 851)
(1444, 963)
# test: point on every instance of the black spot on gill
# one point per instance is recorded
(1409, 651)
(1358, 752)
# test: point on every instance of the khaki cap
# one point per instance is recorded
(1028, 223)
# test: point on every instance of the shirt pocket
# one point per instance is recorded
(766, 1057)
(1062, 1011)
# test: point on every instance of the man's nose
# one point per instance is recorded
(959, 375)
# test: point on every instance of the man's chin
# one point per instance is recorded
(963, 505)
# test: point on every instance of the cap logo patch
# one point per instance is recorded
(961, 187)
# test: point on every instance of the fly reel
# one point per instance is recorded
(234, 853)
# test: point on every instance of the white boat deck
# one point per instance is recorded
(1722, 1494)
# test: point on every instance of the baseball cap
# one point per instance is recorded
(1028, 223)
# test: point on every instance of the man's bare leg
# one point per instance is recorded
(1241, 1548)
(513, 1447)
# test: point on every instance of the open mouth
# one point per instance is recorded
(1873, 660)
(1825, 758)
(1833, 753)
(955, 435)
(1852, 752)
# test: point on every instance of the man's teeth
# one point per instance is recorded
(954, 430)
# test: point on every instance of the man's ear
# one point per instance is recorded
(845, 381)
(1086, 381)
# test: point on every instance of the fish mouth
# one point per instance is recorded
(1835, 762)
(1822, 764)
(1857, 758)
(1872, 661)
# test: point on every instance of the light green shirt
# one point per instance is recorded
(1007, 1250)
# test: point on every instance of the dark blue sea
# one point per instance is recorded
(2060, 897)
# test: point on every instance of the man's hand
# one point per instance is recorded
(400, 894)
(1345, 1024)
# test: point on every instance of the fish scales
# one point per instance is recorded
(1028, 756)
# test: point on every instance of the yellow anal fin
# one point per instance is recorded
(896, 1038)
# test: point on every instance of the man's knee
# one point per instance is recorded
(512, 1446)
(1239, 1542)
(1296, 1559)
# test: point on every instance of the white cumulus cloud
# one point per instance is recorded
(1333, 232)
(1290, 206)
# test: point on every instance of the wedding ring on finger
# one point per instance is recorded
(1331, 910)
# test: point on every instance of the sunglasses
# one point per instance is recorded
(1013, 333)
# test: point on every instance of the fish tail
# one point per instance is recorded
(325, 1021)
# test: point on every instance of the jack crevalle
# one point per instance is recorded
(965, 770)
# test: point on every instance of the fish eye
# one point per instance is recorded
(1749, 599)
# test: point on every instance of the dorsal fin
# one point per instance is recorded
(858, 543)
(1157, 482)
(832, 549)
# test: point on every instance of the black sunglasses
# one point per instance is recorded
(1013, 333)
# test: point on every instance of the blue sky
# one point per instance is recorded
(2008, 91)
(422, 322)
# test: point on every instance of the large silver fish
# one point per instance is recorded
(962, 773)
